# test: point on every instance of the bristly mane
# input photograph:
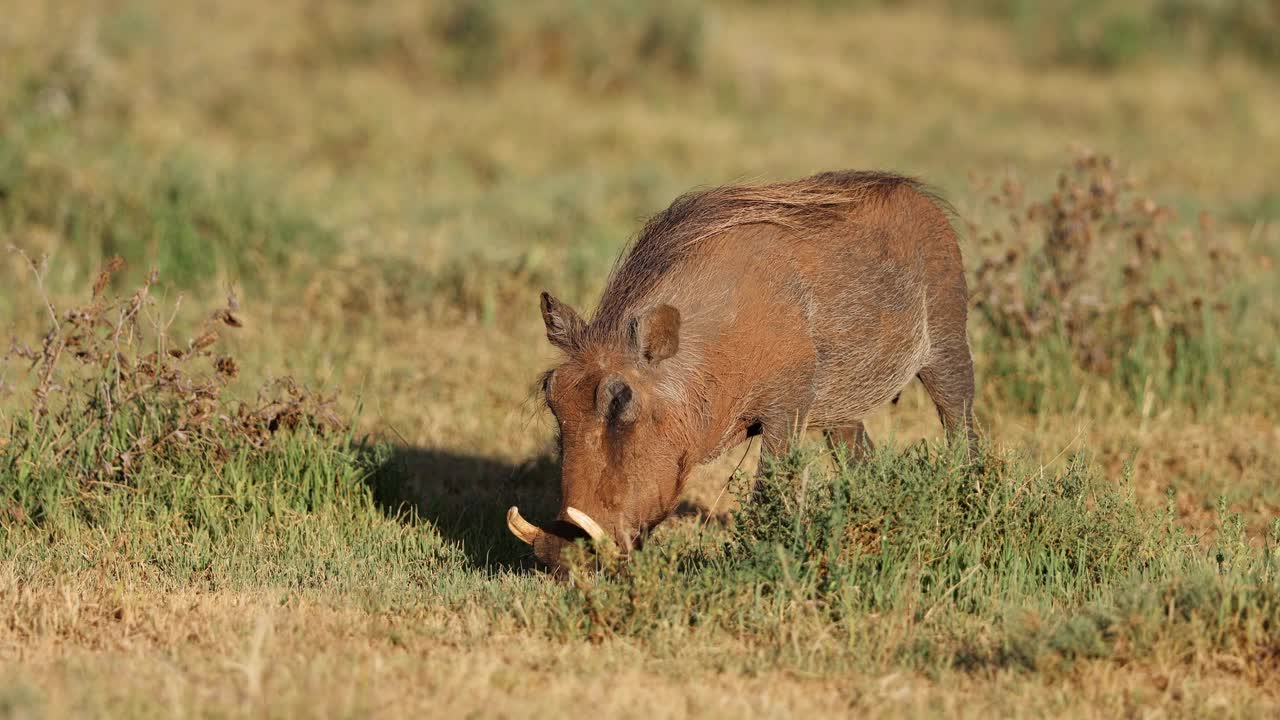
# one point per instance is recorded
(672, 235)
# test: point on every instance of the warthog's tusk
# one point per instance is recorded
(522, 528)
(584, 521)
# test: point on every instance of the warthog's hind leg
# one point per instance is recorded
(948, 378)
(854, 437)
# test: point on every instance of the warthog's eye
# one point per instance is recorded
(545, 383)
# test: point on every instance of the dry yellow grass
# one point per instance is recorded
(88, 649)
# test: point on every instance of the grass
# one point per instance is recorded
(1009, 571)
(1104, 37)
(270, 478)
(192, 227)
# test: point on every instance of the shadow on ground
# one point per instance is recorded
(466, 498)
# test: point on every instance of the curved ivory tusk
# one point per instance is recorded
(522, 528)
(584, 521)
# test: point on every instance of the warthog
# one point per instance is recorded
(748, 310)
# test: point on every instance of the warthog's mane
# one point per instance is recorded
(673, 235)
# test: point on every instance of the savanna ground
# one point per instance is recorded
(270, 479)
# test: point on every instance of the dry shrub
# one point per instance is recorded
(1095, 267)
(110, 386)
(605, 45)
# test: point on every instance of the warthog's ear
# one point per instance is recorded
(564, 326)
(655, 335)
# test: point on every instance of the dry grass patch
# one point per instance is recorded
(282, 655)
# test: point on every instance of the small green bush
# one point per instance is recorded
(133, 436)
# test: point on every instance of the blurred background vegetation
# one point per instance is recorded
(368, 175)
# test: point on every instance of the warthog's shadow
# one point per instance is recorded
(466, 498)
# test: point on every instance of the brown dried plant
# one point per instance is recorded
(110, 385)
(1096, 265)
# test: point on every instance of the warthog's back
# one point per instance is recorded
(820, 298)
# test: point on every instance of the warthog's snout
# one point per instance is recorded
(547, 544)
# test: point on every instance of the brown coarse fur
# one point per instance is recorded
(754, 309)
(809, 206)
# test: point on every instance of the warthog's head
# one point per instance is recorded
(622, 446)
